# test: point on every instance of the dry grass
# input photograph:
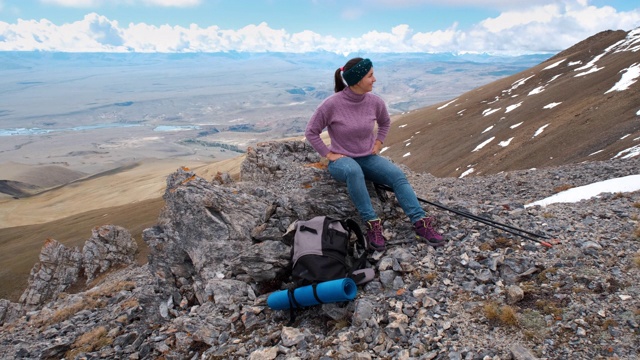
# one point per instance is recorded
(93, 299)
(430, 277)
(636, 260)
(340, 324)
(562, 188)
(503, 315)
(90, 341)
(65, 313)
(503, 242)
(112, 288)
(548, 307)
(609, 323)
(542, 276)
(129, 304)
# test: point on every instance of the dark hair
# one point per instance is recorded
(340, 85)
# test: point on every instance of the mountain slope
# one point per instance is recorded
(580, 105)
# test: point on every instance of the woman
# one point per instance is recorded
(350, 116)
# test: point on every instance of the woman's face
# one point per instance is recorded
(366, 84)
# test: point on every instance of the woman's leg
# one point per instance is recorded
(348, 171)
(382, 171)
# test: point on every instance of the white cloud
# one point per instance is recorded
(538, 27)
(500, 4)
(96, 3)
(73, 3)
(175, 3)
(511, 19)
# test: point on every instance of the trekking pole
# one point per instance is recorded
(504, 227)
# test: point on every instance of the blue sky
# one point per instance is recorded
(308, 25)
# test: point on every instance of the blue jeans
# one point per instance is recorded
(354, 172)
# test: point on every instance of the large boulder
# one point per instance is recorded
(59, 268)
(108, 246)
(210, 231)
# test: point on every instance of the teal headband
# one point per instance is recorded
(357, 72)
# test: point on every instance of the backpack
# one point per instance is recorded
(322, 251)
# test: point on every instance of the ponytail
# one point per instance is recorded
(340, 85)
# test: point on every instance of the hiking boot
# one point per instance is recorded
(425, 231)
(374, 235)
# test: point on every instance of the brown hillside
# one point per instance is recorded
(130, 196)
(21, 244)
(586, 123)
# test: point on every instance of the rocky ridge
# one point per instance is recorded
(218, 250)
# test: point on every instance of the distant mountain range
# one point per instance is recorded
(88, 113)
(582, 104)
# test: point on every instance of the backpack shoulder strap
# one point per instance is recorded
(361, 246)
(361, 242)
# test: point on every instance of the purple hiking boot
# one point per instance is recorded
(374, 235)
(425, 232)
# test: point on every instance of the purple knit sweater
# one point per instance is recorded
(350, 120)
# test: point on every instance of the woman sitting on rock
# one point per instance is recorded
(350, 116)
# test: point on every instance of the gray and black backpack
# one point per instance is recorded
(322, 250)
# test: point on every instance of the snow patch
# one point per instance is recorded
(490, 111)
(553, 78)
(629, 77)
(505, 143)
(590, 71)
(483, 144)
(630, 152)
(552, 105)
(540, 130)
(537, 90)
(513, 107)
(487, 129)
(447, 104)
(554, 64)
(623, 184)
(467, 172)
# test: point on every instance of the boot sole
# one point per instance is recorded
(375, 248)
(431, 242)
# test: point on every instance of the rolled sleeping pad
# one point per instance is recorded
(329, 291)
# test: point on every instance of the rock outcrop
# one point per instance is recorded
(219, 249)
(61, 267)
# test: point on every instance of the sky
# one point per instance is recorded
(356, 26)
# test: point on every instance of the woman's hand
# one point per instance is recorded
(333, 156)
(377, 147)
